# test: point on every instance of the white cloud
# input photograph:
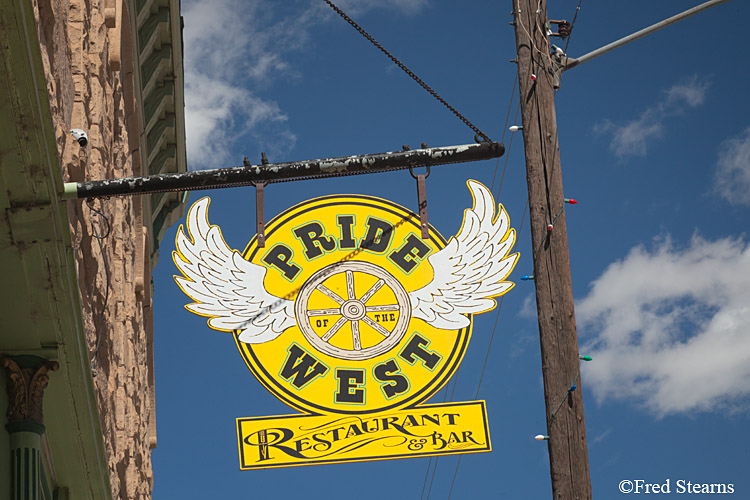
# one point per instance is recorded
(528, 308)
(631, 138)
(732, 180)
(218, 114)
(235, 50)
(668, 328)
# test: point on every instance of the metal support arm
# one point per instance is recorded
(280, 172)
(572, 63)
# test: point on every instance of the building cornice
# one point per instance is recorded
(41, 310)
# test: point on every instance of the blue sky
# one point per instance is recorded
(655, 146)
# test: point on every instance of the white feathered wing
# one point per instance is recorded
(470, 270)
(225, 287)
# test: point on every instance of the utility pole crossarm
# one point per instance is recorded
(280, 172)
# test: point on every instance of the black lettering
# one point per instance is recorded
(345, 222)
(414, 348)
(378, 237)
(410, 252)
(326, 445)
(263, 445)
(302, 442)
(280, 257)
(335, 433)
(435, 419)
(467, 437)
(303, 371)
(367, 422)
(410, 421)
(348, 380)
(395, 383)
(392, 422)
(353, 431)
(273, 438)
(312, 236)
(437, 437)
(451, 418)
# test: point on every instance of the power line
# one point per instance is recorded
(500, 305)
(484, 366)
(99, 238)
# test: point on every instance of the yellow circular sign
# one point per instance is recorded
(349, 264)
(347, 309)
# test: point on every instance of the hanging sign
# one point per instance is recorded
(348, 315)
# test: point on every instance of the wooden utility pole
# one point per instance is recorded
(568, 454)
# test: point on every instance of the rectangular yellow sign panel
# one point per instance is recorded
(428, 430)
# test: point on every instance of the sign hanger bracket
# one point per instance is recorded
(247, 175)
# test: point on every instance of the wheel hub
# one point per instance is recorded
(353, 310)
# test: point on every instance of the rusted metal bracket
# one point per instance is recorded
(260, 224)
(281, 172)
(422, 200)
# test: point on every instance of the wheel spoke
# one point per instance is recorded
(369, 293)
(330, 293)
(356, 340)
(323, 312)
(350, 285)
(382, 331)
(335, 328)
(390, 307)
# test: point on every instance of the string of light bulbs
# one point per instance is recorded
(571, 388)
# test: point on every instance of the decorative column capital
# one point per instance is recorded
(26, 378)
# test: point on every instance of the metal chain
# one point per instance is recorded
(479, 134)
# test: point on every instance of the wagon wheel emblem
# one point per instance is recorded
(353, 310)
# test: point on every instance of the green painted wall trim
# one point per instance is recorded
(156, 134)
(160, 220)
(155, 98)
(45, 299)
(139, 4)
(25, 426)
(150, 25)
(154, 60)
(157, 165)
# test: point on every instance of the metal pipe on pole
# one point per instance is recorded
(573, 62)
(282, 172)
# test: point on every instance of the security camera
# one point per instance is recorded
(80, 136)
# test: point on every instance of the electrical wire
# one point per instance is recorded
(487, 356)
(507, 157)
(505, 128)
(100, 238)
(555, 151)
(429, 464)
(570, 389)
(575, 16)
(499, 307)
